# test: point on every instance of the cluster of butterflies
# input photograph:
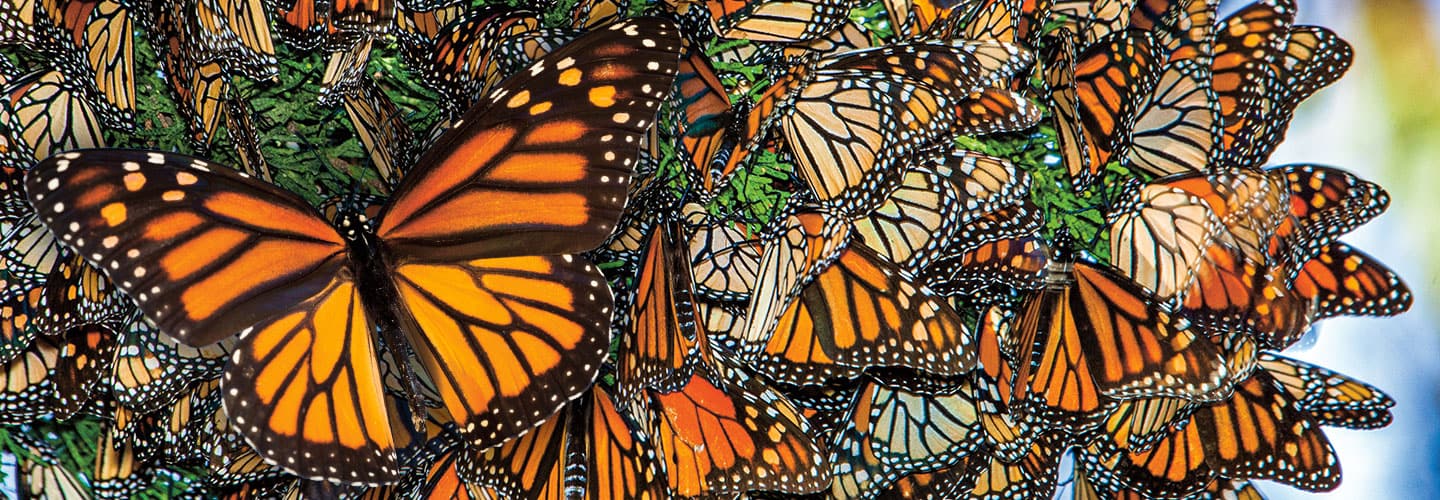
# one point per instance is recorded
(556, 297)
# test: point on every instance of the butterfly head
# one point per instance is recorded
(355, 226)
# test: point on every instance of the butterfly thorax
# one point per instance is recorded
(1059, 268)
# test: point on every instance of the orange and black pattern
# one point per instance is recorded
(991, 249)
(300, 294)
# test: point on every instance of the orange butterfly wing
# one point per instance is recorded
(216, 254)
(507, 341)
(542, 165)
(307, 382)
(1256, 434)
(733, 436)
(663, 339)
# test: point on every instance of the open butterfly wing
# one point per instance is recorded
(507, 341)
(541, 165)
(216, 254)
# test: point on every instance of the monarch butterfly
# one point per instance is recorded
(1324, 203)
(993, 255)
(1258, 433)
(55, 376)
(849, 36)
(1009, 433)
(725, 431)
(200, 86)
(177, 433)
(911, 19)
(983, 111)
(1213, 263)
(1247, 48)
(461, 60)
(890, 432)
(1095, 92)
(717, 429)
(938, 202)
(1278, 269)
(703, 113)
(116, 472)
(1313, 58)
(784, 21)
(724, 259)
(553, 308)
(232, 31)
(825, 305)
(382, 130)
(1341, 280)
(1176, 128)
(591, 444)
(42, 476)
(94, 38)
(850, 117)
(663, 343)
(1091, 335)
(38, 104)
(344, 71)
(1328, 397)
(1159, 236)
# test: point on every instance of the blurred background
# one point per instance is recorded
(1382, 122)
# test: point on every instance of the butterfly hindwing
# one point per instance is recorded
(507, 340)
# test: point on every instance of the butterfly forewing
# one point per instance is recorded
(541, 166)
(204, 251)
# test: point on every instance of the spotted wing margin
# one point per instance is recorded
(860, 312)
(205, 251)
(540, 166)
(508, 341)
(304, 388)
